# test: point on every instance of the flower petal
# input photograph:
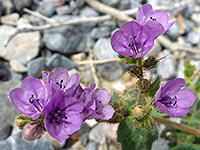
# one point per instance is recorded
(185, 98)
(171, 87)
(55, 130)
(103, 96)
(108, 112)
(143, 13)
(73, 80)
(75, 122)
(120, 43)
(22, 104)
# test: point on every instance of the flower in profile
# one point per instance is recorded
(95, 103)
(60, 81)
(132, 40)
(31, 98)
(157, 20)
(62, 116)
(173, 99)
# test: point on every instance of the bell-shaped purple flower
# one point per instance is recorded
(63, 116)
(173, 99)
(95, 103)
(158, 20)
(32, 98)
(60, 81)
(132, 40)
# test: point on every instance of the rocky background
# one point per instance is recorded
(86, 49)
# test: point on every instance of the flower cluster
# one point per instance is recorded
(62, 101)
(135, 39)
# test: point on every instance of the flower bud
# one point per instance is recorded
(32, 131)
(135, 71)
(150, 63)
(138, 112)
(144, 85)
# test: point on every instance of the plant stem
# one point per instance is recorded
(140, 62)
(177, 125)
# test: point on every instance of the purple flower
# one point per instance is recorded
(173, 99)
(95, 103)
(156, 20)
(60, 81)
(132, 40)
(32, 98)
(63, 116)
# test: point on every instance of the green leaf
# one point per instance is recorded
(197, 116)
(154, 87)
(186, 146)
(189, 69)
(129, 97)
(197, 84)
(135, 138)
(198, 106)
(120, 56)
(130, 60)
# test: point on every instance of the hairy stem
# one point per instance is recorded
(177, 125)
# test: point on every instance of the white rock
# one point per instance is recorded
(10, 19)
(22, 48)
(17, 67)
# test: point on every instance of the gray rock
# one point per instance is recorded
(187, 12)
(4, 130)
(8, 111)
(4, 72)
(20, 4)
(85, 44)
(112, 3)
(125, 4)
(97, 134)
(111, 71)
(166, 69)
(103, 50)
(56, 41)
(84, 129)
(5, 145)
(58, 60)
(63, 10)
(47, 54)
(19, 144)
(36, 66)
(80, 3)
(88, 12)
(160, 144)
(173, 32)
(135, 4)
(111, 24)
(1, 8)
(8, 6)
(91, 146)
(188, 26)
(68, 43)
(100, 32)
(193, 37)
(7, 74)
(46, 8)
